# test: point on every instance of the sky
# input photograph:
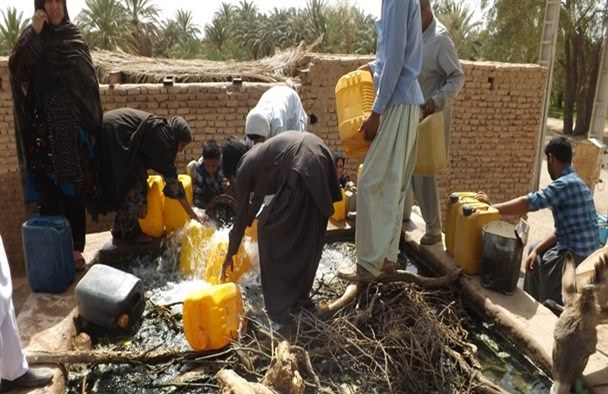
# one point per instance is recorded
(202, 10)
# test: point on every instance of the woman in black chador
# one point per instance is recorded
(57, 117)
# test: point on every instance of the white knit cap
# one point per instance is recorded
(257, 123)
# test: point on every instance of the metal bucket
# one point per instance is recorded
(503, 245)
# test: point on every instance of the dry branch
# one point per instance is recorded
(231, 383)
(352, 290)
(120, 357)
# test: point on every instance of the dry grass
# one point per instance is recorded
(137, 69)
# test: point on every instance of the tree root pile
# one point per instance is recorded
(393, 338)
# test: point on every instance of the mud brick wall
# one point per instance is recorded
(494, 132)
(495, 123)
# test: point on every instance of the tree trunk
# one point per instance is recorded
(570, 84)
(583, 88)
(593, 71)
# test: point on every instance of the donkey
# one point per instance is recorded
(575, 332)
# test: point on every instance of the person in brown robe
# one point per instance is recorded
(290, 183)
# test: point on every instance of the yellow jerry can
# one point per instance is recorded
(340, 208)
(252, 231)
(468, 243)
(355, 97)
(431, 155)
(152, 224)
(217, 254)
(455, 202)
(174, 215)
(213, 316)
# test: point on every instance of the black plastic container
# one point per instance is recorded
(503, 245)
(109, 297)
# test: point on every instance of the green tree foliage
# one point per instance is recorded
(513, 30)
(514, 33)
(180, 37)
(460, 21)
(241, 32)
(106, 25)
(144, 24)
(12, 25)
(582, 22)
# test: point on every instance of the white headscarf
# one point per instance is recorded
(257, 123)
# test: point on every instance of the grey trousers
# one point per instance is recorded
(424, 189)
(545, 282)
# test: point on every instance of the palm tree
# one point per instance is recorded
(10, 29)
(247, 26)
(311, 23)
(366, 37)
(225, 12)
(217, 33)
(275, 32)
(344, 25)
(188, 43)
(106, 25)
(144, 22)
(186, 26)
(459, 20)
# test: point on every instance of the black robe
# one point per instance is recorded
(57, 108)
(131, 142)
(298, 168)
(57, 117)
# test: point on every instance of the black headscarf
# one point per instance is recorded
(39, 5)
(181, 130)
(233, 150)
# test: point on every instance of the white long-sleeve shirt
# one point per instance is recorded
(279, 109)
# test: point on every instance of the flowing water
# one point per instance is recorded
(164, 285)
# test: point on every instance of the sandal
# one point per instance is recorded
(80, 264)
